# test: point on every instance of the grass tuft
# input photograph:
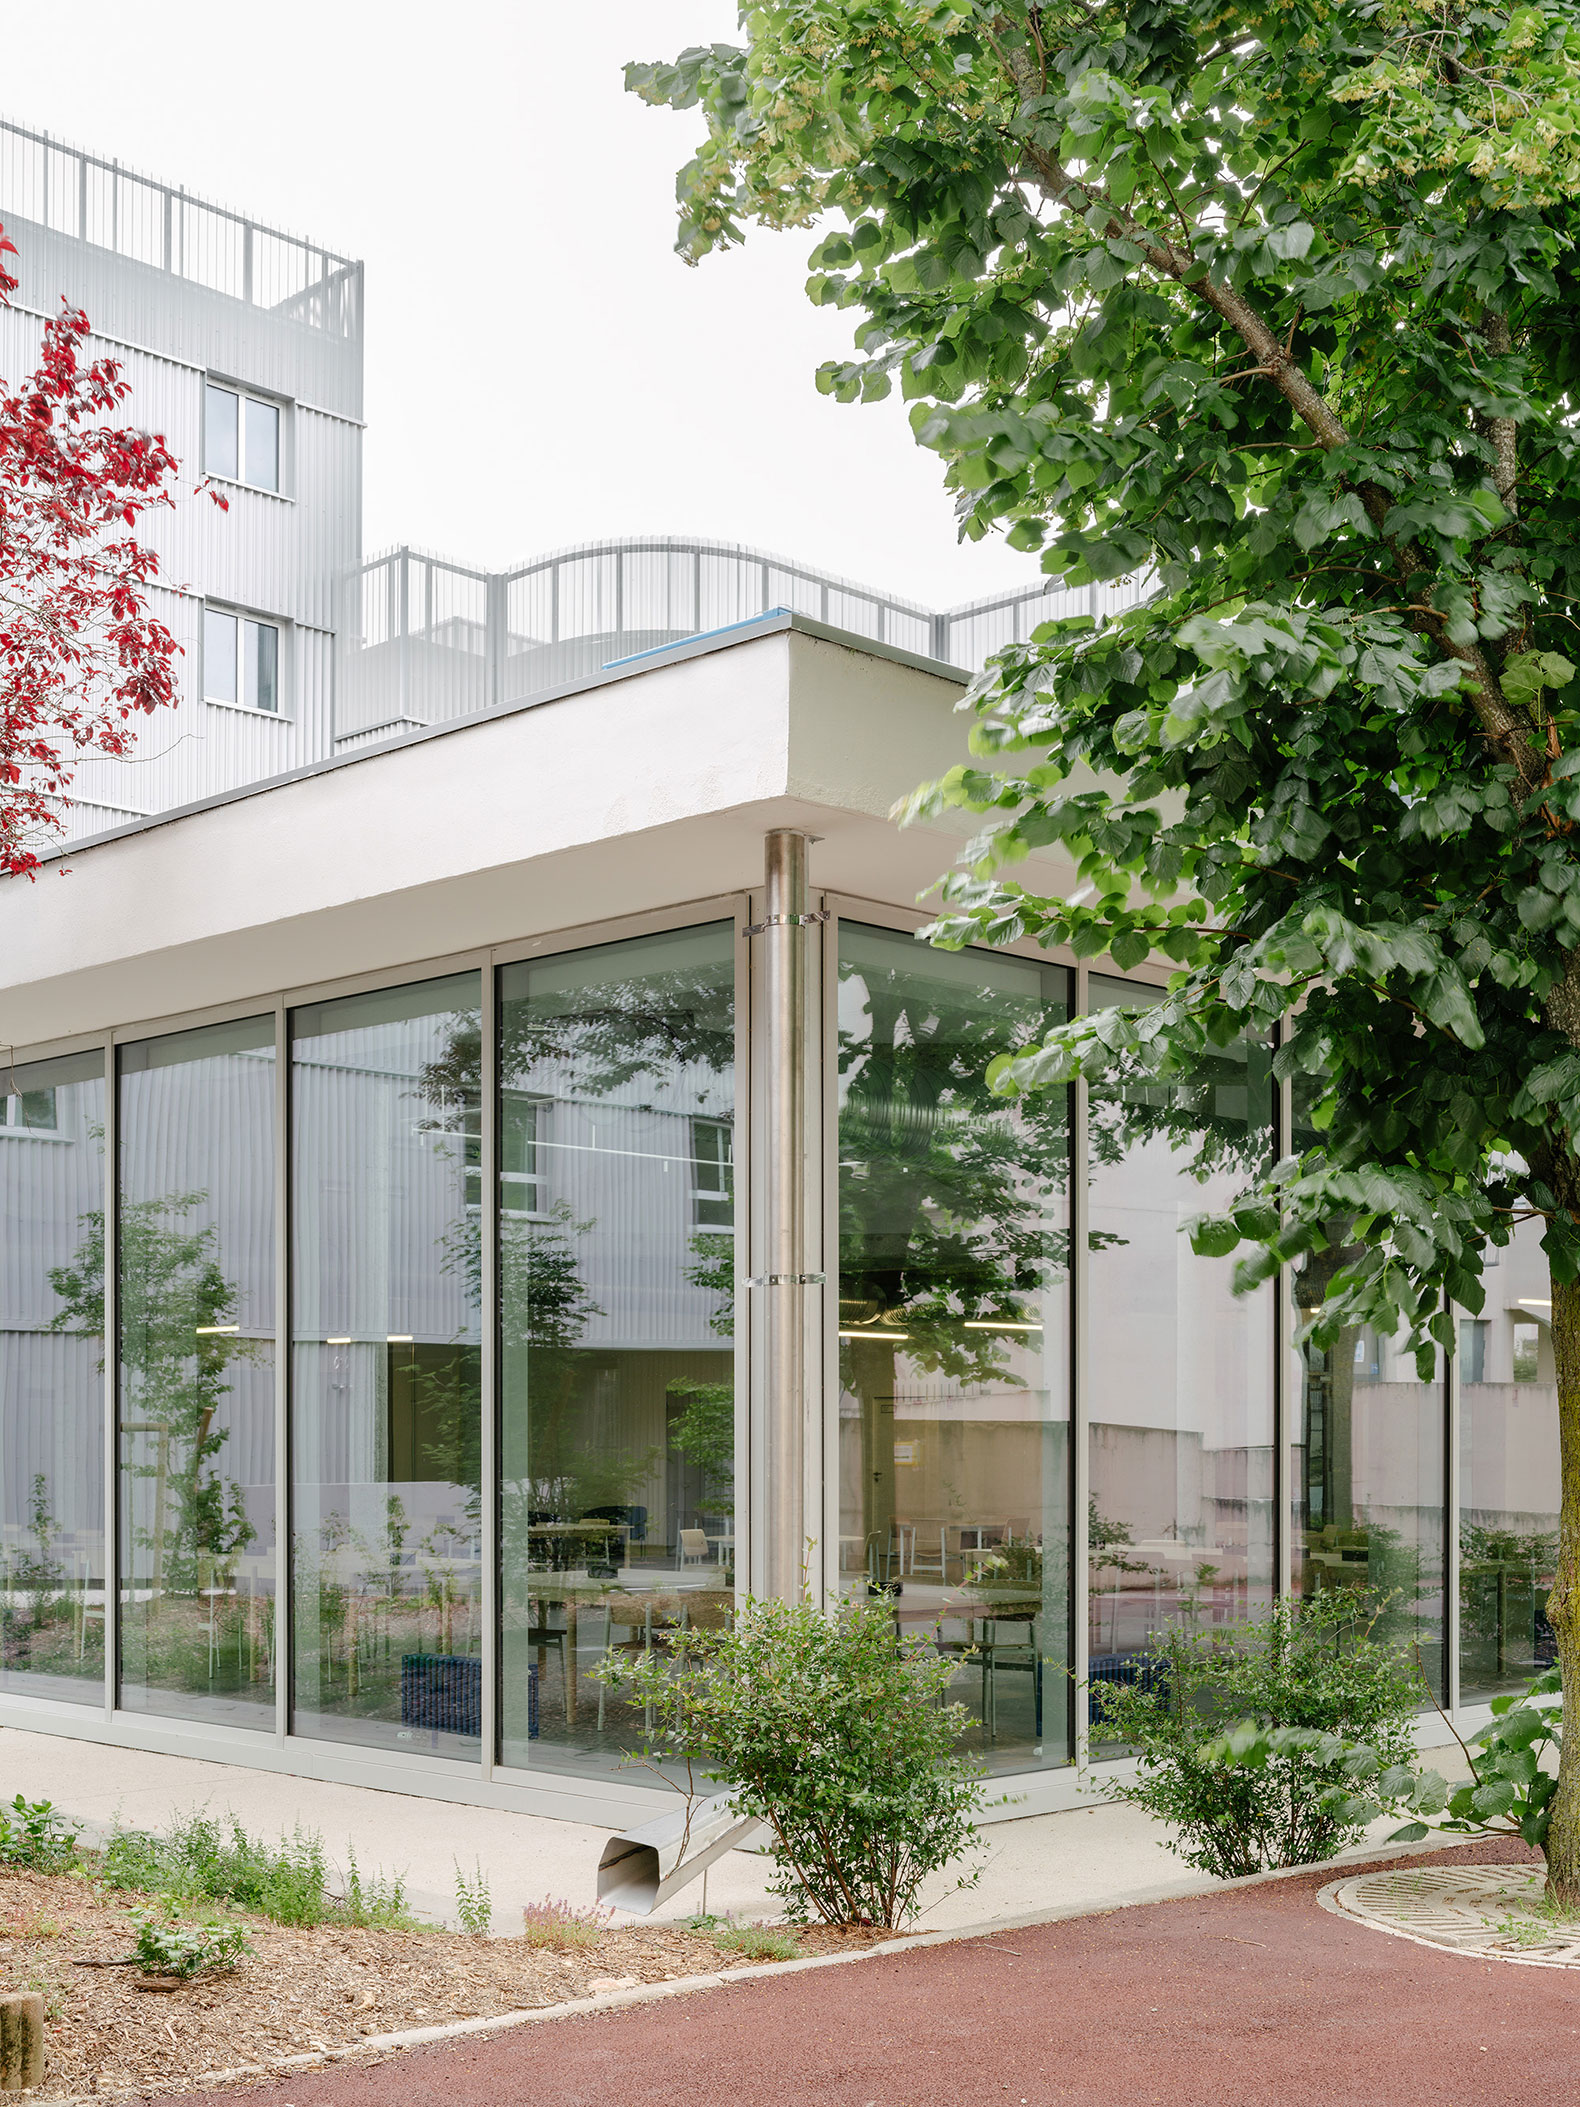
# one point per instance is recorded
(758, 1942)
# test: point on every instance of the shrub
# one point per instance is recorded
(562, 1926)
(166, 1946)
(32, 1834)
(1514, 1762)
(1317, 1666)
(834, 1732)
(759, 1942)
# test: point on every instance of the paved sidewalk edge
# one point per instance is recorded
(374, 2045)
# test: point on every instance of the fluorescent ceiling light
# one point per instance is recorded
(209, 1331)
(338, 1342)
(399, 1339)
(875, 1335)
(1002, 1324)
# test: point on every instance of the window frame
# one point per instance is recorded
(217, 384)
(243, 617)
(720, 1195)
(24, 1128)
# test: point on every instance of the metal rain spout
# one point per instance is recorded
(645, 1867)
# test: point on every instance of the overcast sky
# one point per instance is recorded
(541, 367)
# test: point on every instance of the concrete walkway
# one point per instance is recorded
(1089, 1856)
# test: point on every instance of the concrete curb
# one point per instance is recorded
(375, 2046)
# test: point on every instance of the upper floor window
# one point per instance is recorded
(29, 1111)
(241, 437)
(520, 1141)
(712, 1174)
(241, 660)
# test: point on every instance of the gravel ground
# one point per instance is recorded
(1249, 1997)
(300, 1990)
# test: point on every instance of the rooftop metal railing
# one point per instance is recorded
(425, 640)
(100, 202)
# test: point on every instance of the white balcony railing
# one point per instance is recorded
(100, 202)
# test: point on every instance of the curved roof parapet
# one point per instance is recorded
(426, 640)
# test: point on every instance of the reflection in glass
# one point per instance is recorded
(221, 454)
(386, 1424)
(1180, 1370)
(219, 655)
(197, 1414)
(617, 1263)
(1508, 1487)
(953, 1316)
(1369, 1460)
(52, 1378)
(263, 444)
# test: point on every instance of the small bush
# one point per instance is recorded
(759, 1942)
(32, 1834)
(562, 1926)
(834, 1732)
(474, 1904)
(1316, 1666)
(166, 1946)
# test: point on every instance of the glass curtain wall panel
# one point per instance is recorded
(197, 1395)
(1508, 1485)
(386, 1406)
(52, 1378)
(1368, 1467)
(616, 1302)
(1180, 1371)
(954, 1454)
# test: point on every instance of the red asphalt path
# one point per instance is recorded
(1244, 1998)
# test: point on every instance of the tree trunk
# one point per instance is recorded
(1563, 1605)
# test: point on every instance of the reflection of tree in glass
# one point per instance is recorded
(647, 1026)
(173, 1297)
(943, 1194)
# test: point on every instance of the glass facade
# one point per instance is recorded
(196, 1264)
(616, 1323)
(508, 1415)
(1180, 1518)
(386, 1378)
(954, 1414)
(1508, 1474)
(52, 1378)
(1368, 1480)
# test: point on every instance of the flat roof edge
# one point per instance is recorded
(781, 621)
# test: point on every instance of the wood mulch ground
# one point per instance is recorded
(300, 1991)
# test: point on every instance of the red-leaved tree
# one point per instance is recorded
(80, 656)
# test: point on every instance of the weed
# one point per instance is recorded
(379, 1902)
(202, 1860)
(166, 1946)
(758, 1942)
(474, 1905)
(705, 1923)
(563, 1926)
(34, 1835)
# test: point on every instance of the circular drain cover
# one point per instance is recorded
(1491, 1912)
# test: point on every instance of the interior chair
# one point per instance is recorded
(930, 1552)
(1009, 1644)
(694, 1547)
(542, 1636)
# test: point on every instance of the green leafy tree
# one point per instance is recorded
(174, 1305)
(1275, 307)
